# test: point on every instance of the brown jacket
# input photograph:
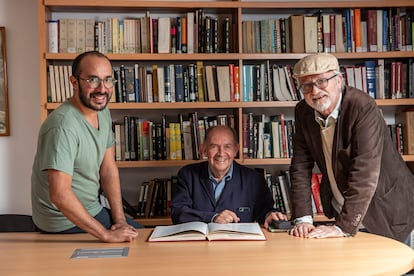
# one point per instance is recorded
(377, 185)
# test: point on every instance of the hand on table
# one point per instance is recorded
(226, 216)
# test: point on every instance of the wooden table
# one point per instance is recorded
(366, 254)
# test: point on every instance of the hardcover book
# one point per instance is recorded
(196, 230)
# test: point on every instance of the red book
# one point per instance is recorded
(315, 185)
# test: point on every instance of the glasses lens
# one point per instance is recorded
(93, 82)
(306, 87)
(321, 83)
(109, 82)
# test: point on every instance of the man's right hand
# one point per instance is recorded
(226, 216)
(126, 233)
(302, 229)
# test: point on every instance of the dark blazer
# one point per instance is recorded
(246, 194)
(376, 183)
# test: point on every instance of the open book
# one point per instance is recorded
(196, 230)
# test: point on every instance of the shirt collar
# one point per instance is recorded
(227, 177)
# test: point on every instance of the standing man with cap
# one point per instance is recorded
(366, 184)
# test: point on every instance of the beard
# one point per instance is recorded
(321, 104)
(88, 101)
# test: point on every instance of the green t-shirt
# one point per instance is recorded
(68, 143)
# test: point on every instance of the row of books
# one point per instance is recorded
(199, 82)
(180, 139)
(349, 30)
(394, 80)
(59, 86)
(267, 137)
(194, 32)
(193, 82)
(280, 187)
(154, 197)
(262, 136)
(269, 82)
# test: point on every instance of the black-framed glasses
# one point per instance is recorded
(319, 83)
(95, 82)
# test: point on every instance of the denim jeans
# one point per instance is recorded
(105, 218)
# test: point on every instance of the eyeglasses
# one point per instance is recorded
(95, 82)
(319, 83)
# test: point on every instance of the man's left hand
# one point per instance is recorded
(325, 231)
(274, 216)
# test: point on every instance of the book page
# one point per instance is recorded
(195, 230)
(235, 231)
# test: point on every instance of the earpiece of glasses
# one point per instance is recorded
(319, 83)
(95, 82)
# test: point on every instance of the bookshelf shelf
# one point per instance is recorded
(239, 11)
(154, 57)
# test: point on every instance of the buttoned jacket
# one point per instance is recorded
(246, 194)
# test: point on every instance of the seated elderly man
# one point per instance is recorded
(221, 190)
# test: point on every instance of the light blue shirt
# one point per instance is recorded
(219, 186)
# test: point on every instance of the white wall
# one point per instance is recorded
(17, 150)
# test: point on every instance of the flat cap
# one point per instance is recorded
(315, 64)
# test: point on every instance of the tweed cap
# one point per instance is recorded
(315, 64)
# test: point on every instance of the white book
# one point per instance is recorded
(350, 76)
(380, 78)
(66, 81)
(277, 92)
(63, 35)
(53, 40)
(364, 78)
(62, 83)
(80, 35)
(364, 34)
(223, 82)
(118, 149)
(197, 230)
(57, 82)
(71, 35)
(148, 87)
(89, 34)
(161, 84)
(210, 80)
(190, 32)
(358, 77)
(276, 152)
(310, 31)
(52, 83)
(70, 84)
(379, 30)
(164, 36)
(283, 84)
(339, 36)
(172, 81)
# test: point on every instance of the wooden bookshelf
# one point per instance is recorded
(239, 11)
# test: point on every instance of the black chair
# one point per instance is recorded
(17, 223)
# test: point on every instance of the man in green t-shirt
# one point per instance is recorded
(75, 159)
